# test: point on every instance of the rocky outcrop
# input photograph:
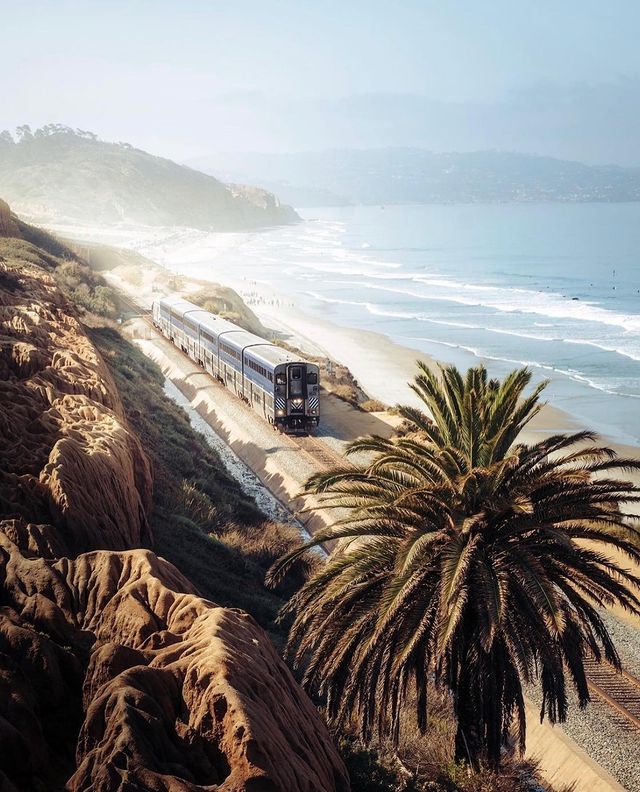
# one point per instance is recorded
(8, 226)
(114, 673)
(67, 456)
(178, 694)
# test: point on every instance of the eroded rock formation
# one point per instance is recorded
(67, 456)
(177, 694)
(114, 673)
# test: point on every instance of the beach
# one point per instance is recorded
(552, 287)
(383, 368)
(382, 362)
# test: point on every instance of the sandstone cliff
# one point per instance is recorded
(170, 691)
(68, 458)
(114, 673)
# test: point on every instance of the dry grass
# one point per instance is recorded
(373, 405)
(426, 763)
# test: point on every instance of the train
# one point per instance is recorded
(280, 386)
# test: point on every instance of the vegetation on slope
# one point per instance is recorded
(70, 175)
(202, 521)
(227, 303)
(76, 279)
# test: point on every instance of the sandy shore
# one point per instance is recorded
(366, 354)
(383, 368)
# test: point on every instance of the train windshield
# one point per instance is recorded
(312, 377)
(295, 381)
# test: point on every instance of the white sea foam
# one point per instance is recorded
(324, 256)
(378, 310)
(511, 300)
(506, 299)
(576, 376)
(633, 353)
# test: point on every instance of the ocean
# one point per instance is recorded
(552, 286)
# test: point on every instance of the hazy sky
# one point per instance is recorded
(184, 78)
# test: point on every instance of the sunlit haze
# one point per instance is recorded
(187, 79)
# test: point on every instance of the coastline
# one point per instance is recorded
(384, 370)
(382, 367)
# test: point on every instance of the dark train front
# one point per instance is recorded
(297, 397)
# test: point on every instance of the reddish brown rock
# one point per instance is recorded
(114, 674)
(178, 694)
(67, 457)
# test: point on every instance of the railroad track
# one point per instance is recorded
(133, 306)
(323, 456)
(619, 690)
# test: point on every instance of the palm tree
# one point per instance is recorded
(467, 559)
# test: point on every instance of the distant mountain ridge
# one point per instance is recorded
(59, 174)
(410, 175)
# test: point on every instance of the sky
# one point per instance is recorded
(183, 79)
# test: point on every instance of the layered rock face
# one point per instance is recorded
(66, 455)
(114, 673)
(177, 694)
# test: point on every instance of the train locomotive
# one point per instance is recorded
(279, 386)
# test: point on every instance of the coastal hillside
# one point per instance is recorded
(130, 270)
(115, 672)
(57, 174)
(412, 175)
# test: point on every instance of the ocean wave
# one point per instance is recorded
(506, 299)
(349, 268)
(372, 308)
(632, 354)
(375, 309)
(511, 300)
(572, 374)
(335, 300)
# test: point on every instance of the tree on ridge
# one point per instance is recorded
(467, 558)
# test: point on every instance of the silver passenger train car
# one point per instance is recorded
(279, 386)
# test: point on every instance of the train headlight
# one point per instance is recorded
(280, 413)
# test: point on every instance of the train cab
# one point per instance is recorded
(297, 402)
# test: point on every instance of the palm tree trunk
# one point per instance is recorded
(467, 706)
(479, 708)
